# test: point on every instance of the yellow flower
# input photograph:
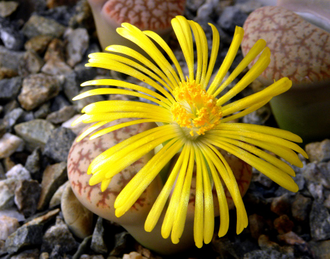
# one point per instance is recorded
(193, 119)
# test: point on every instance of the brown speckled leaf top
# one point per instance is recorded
(300, 50)
(145, 14)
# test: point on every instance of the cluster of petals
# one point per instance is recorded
(194, 118)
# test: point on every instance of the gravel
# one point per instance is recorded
(43, 50)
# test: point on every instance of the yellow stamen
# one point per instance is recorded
(195, 109)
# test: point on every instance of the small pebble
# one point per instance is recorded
(18, 172)
(281, 205)
(283, 224)
(8, 225)
(38, 43)
(319, 222)
(9, 88)
(133, 255)
(10, 143)
(7, 8)
(7, 193)
(59, 143)
(290, 238)
(10, 59)
(27, 195)
(11, 36)
(33, 163)
(35, 133)
(319, 151)
(24, 236)
(31, 63)
(301, 207)
(60, 238)
(53, 177)
(98, 244)
(12, 117)
(61, 115)
(38, 25)
(37, 89)
(257, 225)
(78, 40)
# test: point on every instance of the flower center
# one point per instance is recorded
(195, 109)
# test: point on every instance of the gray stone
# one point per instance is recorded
(59, 236)
(59, 144)
(316, 190)
(38, 25)
(78, 40)
(319, 151)
(31, 63)
(10, 59)
(27, 254)
(25, 236)
(35, 133)
(18, 172)
(33, 162)
(319, 222)
(9, 144)
(70, 86)
(84, 73)
(59, 102)
(61, 115)
(98, 245)
(37, 89)
(231, 17)
(53, 177)
(7, 193)
(7, 8)
(317, 173)
(9, 88)
(43, 111)
(56, 67)
(269, 254)
(8, 225)
(11, 37)
(27, 196)
(11, 117)
(86, 256)
(194, 5)
(301, 207)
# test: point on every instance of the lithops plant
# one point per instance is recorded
(102, 203)
(300, 51)
(152, 15)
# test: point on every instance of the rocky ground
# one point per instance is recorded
(42, 54)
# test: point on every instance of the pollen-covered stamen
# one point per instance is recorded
(195, 109)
